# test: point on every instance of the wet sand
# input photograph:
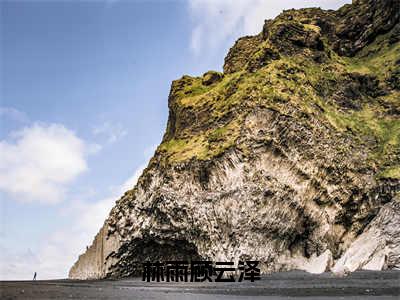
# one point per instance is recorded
(286, 285)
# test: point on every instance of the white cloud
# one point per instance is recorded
(37, 162)
(17, 265)
(112, 131)
(216, 22)
(61, 249)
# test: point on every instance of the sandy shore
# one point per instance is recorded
(287, 285)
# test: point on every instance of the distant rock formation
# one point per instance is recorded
(291, 156)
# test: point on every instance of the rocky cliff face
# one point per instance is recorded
(291, 156)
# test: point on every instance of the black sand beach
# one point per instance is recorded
(286, 285)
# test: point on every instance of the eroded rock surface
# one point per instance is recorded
(290, 157)
(378, 247)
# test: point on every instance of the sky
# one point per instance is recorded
(83, 104)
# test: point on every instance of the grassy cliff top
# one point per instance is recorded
(308, 65)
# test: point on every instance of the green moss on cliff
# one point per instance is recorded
(202, 146)
(350, 95)
(391, 172)
(377, 59)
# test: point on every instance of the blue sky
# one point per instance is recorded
(84, 87)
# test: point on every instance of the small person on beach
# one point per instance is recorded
(34, 276)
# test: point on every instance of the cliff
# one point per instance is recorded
(290, 156)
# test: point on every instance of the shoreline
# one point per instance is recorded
(293, 284)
